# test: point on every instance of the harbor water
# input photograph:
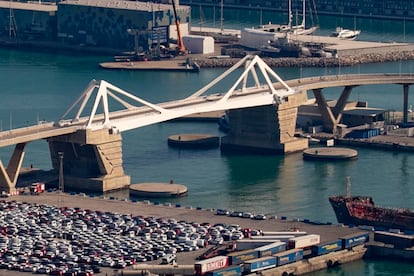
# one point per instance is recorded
(37, 86)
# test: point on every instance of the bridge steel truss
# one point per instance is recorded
(239, 95)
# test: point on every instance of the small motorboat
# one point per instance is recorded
(346, 33)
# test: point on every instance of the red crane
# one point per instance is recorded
(180, 48)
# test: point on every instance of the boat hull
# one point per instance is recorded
(362, 211)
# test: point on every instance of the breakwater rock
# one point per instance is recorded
(314, 61)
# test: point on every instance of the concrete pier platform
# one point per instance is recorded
(178, 65)
(330, 153)
(157, 190)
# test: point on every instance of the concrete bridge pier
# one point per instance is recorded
(92, 160)
(332, 116)
(9, 175)
(265, 129)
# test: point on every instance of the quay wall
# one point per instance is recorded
(376, 251)
(373, 56)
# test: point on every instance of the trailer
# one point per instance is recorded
(218, 262)
(234, 270)
(325, 248)
(37, 188)
(271, 249)
(273, 237)
(239, 257)
(305, 241)
(355, 239)
(254, 265)
(289, 256)
(277, 233)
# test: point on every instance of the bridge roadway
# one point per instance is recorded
(141, 116)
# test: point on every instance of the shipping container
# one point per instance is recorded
(199, 44)
(398, 240)
(290, 233)
(239, 257)
(273, 237)
(246, 244)
(325, 248)
(270, 249)
(201, 267)
(304, 241)
(235, 270)
(355, 239)
(259, 264)
(289, 256)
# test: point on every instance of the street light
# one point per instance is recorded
(61, 183)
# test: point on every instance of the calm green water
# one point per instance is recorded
(41, 86)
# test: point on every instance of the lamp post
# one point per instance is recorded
(61, 183)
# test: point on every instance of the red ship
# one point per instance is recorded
(361, 210)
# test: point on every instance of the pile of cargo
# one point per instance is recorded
(267, 253)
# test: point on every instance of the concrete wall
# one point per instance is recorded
(108, 27)
(267, 129)
(92, 160)
(29, 24)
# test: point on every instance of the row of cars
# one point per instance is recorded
(67, 241)
(240, 214)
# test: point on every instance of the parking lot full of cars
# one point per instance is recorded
(45, 239)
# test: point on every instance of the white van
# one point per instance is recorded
(168, 259)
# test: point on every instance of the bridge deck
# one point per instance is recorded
(140, 116)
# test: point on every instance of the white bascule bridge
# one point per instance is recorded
(262, 110)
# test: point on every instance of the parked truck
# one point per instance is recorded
(37, 188)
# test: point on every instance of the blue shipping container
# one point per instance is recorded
(259, 264)
(271, 249)
(352, 240)
(228, 271)
(239, 257)
(288, 256)
(325, 248)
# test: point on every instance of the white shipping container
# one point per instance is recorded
(273, 237)
(304, 241)
(197, 44)
(293, 233)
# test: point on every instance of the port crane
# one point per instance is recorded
(180, 47)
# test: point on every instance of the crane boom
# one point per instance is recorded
(181, 47)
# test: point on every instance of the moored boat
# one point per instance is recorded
(361, 210)
(346, 33)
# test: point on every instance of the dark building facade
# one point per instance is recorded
(393, 9)
(113, 24)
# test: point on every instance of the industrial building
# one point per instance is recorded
(120, 24)
(393, 9)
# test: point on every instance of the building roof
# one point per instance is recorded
(32, 6)
(367, 112)
(121, 4)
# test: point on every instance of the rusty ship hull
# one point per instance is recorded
(361, 210)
